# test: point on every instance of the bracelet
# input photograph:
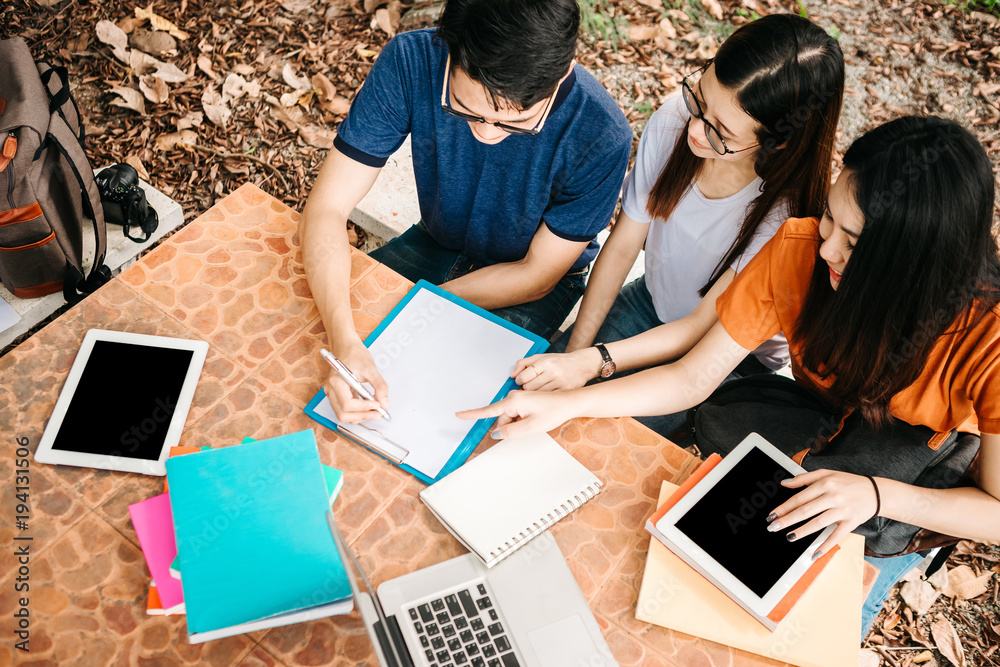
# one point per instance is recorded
(878, 498)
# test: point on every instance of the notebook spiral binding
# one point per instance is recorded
(543, 523)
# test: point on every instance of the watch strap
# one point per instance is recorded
(605, 355)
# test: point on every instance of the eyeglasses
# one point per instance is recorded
(712, 133)
(511, 129)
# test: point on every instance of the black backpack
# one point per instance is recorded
(47, 186)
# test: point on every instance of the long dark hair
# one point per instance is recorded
(924, 266)
(788, 75)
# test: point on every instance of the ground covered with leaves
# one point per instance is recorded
(202, 97)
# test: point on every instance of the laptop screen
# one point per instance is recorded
(368, 603)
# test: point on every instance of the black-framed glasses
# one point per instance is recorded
(511, 129)
(712, 133)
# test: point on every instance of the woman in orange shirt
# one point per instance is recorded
(891, 307)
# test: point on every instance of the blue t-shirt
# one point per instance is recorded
(487, 201)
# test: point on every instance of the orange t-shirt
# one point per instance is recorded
(960, 383)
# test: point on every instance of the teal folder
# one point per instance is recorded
(252, 540)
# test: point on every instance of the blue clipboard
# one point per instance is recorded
(479, 429)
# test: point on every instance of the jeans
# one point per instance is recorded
(891, 570)
(417, 256)
(631, 314)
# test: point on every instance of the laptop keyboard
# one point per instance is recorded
(463, 629)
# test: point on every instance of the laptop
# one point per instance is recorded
(526, 611)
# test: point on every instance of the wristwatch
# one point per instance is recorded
(608, 368)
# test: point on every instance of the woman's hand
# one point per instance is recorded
(525, 413)
(827, 497)
(348, 407)
(553, 372)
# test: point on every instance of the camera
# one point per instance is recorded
(124, 202)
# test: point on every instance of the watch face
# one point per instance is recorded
(608, 369)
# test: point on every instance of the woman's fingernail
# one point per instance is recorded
(773, 527)
(771, 517)
(790, 537)
(496, 435)
(817, 554)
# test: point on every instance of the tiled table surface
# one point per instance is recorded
(234, 278)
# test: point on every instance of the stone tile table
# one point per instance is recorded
(234, 278)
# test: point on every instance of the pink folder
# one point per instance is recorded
(154, 526)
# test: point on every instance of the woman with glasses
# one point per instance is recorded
(746, 145)
(891, 305)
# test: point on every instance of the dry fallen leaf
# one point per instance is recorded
(205, 65)
(384, 22)
(320, 137)
(706, 48)
(947, 642)
(130, 23)
(972, 588)
(236, 87)
(964, 584)
(939, 579)
(136, 163)
(370, 5)
(365, 52)
(144, 63)
(216, 109)
(326, 89)
(640, 33)
(296, 6)
(155, 42)
(130, 99)
(190, 119)
(166, 142)
(294, 80)
(714, 8)
(922, 657)
(652, 4)
(338, 106)
(114, 37)
(918, 596)
(154, 88)
(160, 23)
(295, 120)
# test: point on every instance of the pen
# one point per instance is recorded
(351, 379)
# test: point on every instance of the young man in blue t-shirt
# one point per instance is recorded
(518, 153)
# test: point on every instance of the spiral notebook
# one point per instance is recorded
(506, 496)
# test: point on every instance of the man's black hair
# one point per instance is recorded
(517, 49)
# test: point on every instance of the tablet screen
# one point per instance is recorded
(729, 522)
(124, 401)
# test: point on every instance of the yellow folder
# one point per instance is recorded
(822, 630)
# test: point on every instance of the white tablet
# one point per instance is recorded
(720, 527)
(124, 402)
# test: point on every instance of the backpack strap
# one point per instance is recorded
(63, 138)
(56, 82)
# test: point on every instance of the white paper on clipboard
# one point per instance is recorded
(437, 358)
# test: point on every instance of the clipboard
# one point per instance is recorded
(439, 354)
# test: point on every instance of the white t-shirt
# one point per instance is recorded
(682, 253)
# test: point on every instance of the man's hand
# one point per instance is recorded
(348, 407)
